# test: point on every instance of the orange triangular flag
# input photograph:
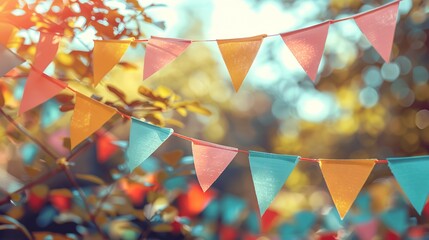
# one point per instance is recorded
(307, 46)
(345, 179)
(379, 28)
(46, 50)
(6, 31)
(106, 55)
(160, 52)
(88, 116)
(238, 55)
(38, 89)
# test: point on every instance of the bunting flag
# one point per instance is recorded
(412, 175)
(9, 60)
(6, 31)
(89, 115)
(396, 219)
(269, 173)
(46, 50)
(367, 230)
(106, 55)
(238, 55)
(344, 179)
(39, 88)
(307, 45)
(210, 161)
(144, 139)
(379, 28)
(160, 52)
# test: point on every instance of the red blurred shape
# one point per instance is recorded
(426, 210)
(105, 147)
(268, 219)
(135, 191)
(36, 202)
(60, 202)
(328, 236)
(390, 235)
(249, 236)
(194, 201)
(176, 227)
(228, 232)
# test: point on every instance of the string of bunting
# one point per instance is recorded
(344, 178)
(306, 44)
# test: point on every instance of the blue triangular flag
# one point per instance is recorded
(145, 138)
(412, 175)
(269, 173)
(9, 60)
(396, 219)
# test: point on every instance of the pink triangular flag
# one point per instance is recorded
(307, 46)
(46, 50)
(379, 28)
(160, 52)
(366, 231)
(38, 89)
(210, 161)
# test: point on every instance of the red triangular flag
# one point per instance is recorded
(46, 50)
(307, 46)
(210, 161)
(160, 52)
(379, 28)
(38, 89)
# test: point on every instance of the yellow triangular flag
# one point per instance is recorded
(345, 179)
(238, 55)
(106, 55)
(89, 115)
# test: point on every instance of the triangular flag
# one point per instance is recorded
(160, 52)
(9, 60)
(269, 173)
(307, 45)
(39, 88)
(412, 175)
(367, 230)
(89, 115)
(345, 179)
(106, 55)
(46, 50)
(379, 28)
(6, 30)
(145, 138)
(210, 161)
(396, 219)
(238, 55)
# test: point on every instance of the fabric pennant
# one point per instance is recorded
(38, 89)
(145, 138)
(210, 161)
(345, 179)
(9, 60)
(238, 55)
(160, 52)
(46, 50)
(106, 55)
(6, 31)
(411, 174)
(367, 230)
(269, 173)
(89, 115)
(379, 28)
(307, 45)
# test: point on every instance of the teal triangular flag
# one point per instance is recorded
(9, 60)
(145, 138)
(269, 173)
(396, 219)
(412, 175)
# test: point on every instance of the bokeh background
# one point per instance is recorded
(358, 107)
